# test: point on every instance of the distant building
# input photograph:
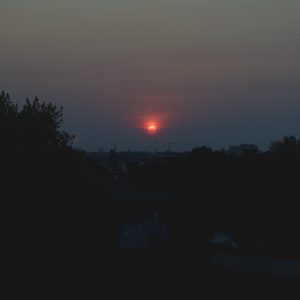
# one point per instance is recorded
(101, 149)
(243, 147)
(80, 149)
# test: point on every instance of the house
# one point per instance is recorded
(242, 148)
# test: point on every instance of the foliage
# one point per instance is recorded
(53, 193)
(33, 149)
(288, 149)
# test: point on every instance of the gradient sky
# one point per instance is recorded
(212, 72)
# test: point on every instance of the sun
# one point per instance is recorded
(152, 129)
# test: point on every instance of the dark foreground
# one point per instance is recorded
(146, 274)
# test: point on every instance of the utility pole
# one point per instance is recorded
(168, 146)
(155, 147)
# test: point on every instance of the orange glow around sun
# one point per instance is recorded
(152, 129)
(151, 124)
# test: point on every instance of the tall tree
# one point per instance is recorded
(53, 193)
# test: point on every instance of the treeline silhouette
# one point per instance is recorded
(59, 220)
(255, 195)
(52, 195)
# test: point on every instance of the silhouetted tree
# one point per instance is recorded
(288, 149)
(53, 193)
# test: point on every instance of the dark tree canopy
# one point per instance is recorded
(34, 129)
(288, 149)
(34, 149)
(52, 194)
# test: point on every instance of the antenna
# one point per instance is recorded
(168, 146)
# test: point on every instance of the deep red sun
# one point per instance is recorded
(151, 129)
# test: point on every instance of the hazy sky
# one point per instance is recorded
(211, 72)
